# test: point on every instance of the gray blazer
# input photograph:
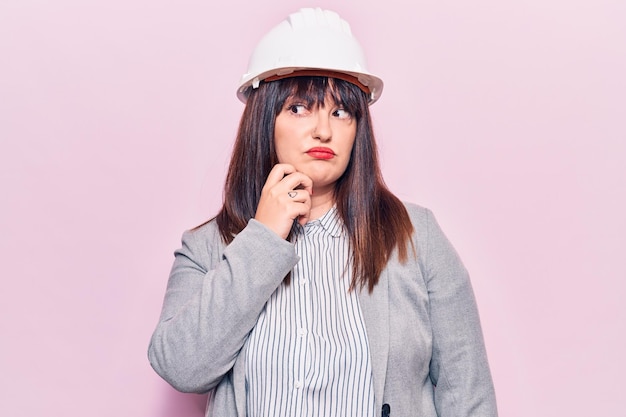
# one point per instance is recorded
(427, 349)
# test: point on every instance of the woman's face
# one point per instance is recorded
(316, 140)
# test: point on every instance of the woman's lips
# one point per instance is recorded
(321, 153)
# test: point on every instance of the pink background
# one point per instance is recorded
(508, 119)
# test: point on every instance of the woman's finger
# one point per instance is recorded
(285, 197)
(298, 181)
(278, 172)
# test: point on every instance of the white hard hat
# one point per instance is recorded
(311, 42)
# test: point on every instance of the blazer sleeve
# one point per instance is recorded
(212, 302)
(459, 368)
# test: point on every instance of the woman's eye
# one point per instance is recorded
(342, 114)
(297, 108)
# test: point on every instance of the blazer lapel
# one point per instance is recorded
(375, 309)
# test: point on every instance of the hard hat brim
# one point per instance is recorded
(369, 83)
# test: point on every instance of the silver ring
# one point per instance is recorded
(292, 194)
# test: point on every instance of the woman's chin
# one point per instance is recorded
(320, 179)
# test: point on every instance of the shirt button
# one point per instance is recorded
(304, 281)
(302, 332)
(298, 384)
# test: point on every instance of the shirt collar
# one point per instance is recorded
(330, 222)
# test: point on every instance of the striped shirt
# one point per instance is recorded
(308, 355)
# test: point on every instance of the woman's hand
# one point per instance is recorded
(286, 196)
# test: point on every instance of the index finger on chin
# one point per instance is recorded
(278, 172)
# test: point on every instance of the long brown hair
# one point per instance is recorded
(375, 220)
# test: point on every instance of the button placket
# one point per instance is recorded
(303, 295)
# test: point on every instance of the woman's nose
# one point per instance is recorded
(323, 130)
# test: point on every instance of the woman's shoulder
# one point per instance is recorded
(415, 208)
(417, 213)
(209, 227)
(205, 234)
(425, 224)
(202, 244)
(204, 231)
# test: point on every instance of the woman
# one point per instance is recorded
(315, 291)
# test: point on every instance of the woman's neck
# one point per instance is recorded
(321, 202)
